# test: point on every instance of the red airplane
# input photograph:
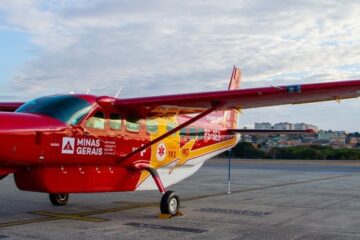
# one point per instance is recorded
(76, 143)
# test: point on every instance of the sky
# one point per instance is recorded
(166, 47)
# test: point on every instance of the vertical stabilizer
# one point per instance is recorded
(235, 79)
(228, 118)
(231, 117)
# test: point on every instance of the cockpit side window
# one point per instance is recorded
(79, 116)
(97, 121)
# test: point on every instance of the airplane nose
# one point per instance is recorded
(18, 134)
(17, 122)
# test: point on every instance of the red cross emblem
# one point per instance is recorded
(161, 152)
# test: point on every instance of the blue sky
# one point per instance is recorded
(15, 50)
(166, 47)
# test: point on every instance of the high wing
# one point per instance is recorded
(235, 99)
(225, 100)
(9, 106)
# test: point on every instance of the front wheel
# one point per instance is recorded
(170, 203)
(59, 199)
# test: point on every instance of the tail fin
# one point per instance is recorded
(235, 79)
(228, 118)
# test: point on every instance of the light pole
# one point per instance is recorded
(229, 172)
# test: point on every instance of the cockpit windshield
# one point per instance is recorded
(66, 108)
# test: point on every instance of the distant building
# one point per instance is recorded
(305, 126)
(283, 126)
(246, 138)
(332, 138)
(354, 141)
(263, 126)
(328, 135)
(295, 142)
(300, 126)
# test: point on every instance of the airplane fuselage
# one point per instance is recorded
(91, 153)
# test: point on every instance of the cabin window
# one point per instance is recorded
(200, 133)
(183, 133)
(170, 126)
(152, 126)
(192, 133)
(97, 121)
(132, 124)
(115, 121)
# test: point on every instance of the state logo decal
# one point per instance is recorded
(161, 152)
(68, 145)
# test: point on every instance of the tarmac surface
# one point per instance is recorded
(269, 200)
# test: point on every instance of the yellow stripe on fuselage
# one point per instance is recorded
(175, 155)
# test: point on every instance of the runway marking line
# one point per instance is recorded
(23, 222)
(162, 227)
(235, 211)
(69, 216)
(83, 216)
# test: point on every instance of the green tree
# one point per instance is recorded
(247, 150)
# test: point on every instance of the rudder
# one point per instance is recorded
(228, 118)
(235, 79)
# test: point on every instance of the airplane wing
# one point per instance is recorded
(9, 106)
(236, 99)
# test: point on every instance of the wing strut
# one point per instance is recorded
(158, 139)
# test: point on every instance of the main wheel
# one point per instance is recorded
(170, 203)
(59, 199)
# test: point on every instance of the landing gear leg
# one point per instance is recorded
(170, 201)
(59, 199)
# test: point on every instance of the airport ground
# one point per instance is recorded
(269, 200)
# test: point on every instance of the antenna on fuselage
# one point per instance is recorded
(118, 91)
(88, 91)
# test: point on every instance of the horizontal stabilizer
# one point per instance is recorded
(270, 131)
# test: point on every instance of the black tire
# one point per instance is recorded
(170, 203)
(59, 199)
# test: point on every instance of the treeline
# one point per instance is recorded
(313, 152)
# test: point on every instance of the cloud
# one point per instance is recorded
(166, 47)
